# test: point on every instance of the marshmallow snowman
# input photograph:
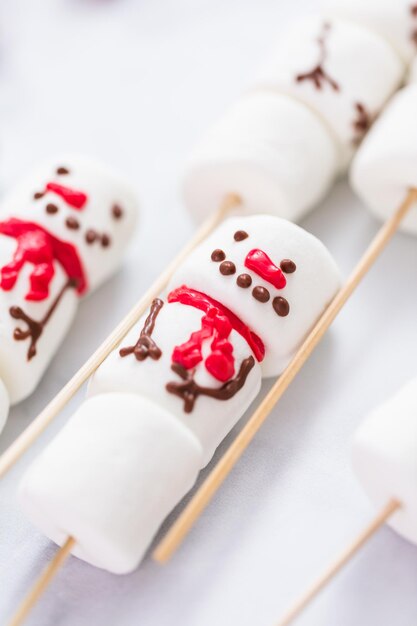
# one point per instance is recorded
(385, 167)
(395, 20)
(63, 231)
(344, 72)
(384, 458)
(158, 407)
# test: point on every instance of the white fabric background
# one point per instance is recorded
(135, 83)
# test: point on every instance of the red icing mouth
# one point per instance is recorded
(205, 303)
(76, 199)
(37, 246)
(259, 262)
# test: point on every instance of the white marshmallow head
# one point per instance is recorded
(385, 458)
(273, 275)
(413, 70)
(394, 20)
(80, 202)
(264, 149)
(385, 167)
(343, 71)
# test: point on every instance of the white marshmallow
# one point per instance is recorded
(4, 405)
(210, 419)
(109, 479)
(385, 458)
(308, 291)
(265, 148)
(392, 19)
(413, 72)
(385, 167)
(343, 71)
(19, 373)
(103, 189)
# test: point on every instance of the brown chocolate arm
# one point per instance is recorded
(318, 74)
(189, 390)
(35, 328)
(145, 345)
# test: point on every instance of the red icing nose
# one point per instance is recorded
(74, 198)
(260, 263)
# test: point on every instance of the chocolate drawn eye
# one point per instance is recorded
(281, 306)
(288, 266)
(117, 211)
(38, 195)
(90, 236)
(51, 208)
(105, 241)
(218, 255)
(62, 170)
(261, 294)
(240, 235)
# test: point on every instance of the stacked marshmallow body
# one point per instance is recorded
(343, 71)
(159, 407)
(394, 20)
(385, 458)
(265, 148)
(385, 167)
(63, 231)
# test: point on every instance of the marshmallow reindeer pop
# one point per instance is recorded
(278, 150)
(385, 461)
(63, 231)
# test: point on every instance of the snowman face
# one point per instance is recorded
(273, 275)
(81, 202)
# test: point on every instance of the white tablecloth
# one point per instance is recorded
(136, 82)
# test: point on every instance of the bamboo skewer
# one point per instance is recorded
(212, 483)
(335, 567)
(45, 417)
(42, 583)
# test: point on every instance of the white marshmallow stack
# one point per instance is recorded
(344, 72)
(88, 211)
(110, 477)
(385, 167)
(132, 450)
(395, 20)
(385, 458)
(265, 148)
(413, 71)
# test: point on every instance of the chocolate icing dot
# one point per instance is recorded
(227, 268)
(281, 306)
(38, 195)
(105, 241)
(261, 294)
(244, 281)
(218, 255)
(72, 223)
(117, 211)
(90, 236)
(288, 266)
(51, 208)
(240, 235)
(62, 170)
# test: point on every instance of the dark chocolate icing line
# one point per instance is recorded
(189, 390)
(35, 328)
(145, 345)
(318, 74)
(361, 123)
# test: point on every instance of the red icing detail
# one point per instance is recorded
(74, 198)
(203, 302)
(260, 263)
(37, 246)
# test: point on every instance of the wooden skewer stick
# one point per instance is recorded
(45, 417)
(42, 583)
(340, 562)
(212, 483)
